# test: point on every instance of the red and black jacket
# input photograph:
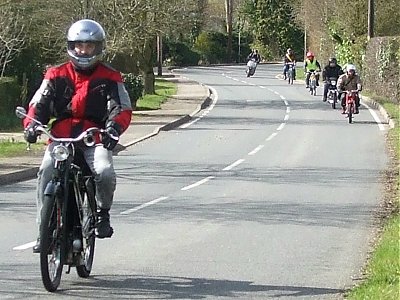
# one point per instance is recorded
(78, 100)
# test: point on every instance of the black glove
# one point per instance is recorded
(30, 134)
(110, 138)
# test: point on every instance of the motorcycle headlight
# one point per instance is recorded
(333, 82)
(60, 153)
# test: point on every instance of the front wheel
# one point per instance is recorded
(89, 208)
(334, 101)
(350, 113)
(52, 243)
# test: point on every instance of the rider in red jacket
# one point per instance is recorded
(82, 93)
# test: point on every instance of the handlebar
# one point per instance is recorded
(88, 134)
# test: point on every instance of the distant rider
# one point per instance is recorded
(349, 81)
(310, 65)
(254, 55)
(331, 70)
(289, 58)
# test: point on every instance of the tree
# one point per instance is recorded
(229, 27)
(273, 25)
(133, 27)
(12, 35)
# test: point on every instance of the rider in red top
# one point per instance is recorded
(82, 93)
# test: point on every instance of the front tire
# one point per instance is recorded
(52, 244)
(88, 235)
(350, 114)
(334, 101)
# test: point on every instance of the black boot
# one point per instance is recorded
(36, 248)
(103, 228)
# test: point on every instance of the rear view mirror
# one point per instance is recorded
(20, 112)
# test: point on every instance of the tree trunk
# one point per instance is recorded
(229, 20)
(146, 66)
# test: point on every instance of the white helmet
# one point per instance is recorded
(350, 67)
(86, 31)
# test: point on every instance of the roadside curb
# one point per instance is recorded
(18, 176)
(31, 172)
(169, 126)
(382, 110)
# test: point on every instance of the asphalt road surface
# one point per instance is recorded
(268, 194)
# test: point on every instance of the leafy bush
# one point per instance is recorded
(10, 92)
(179, 54)
(381, 67)
(134, 86)
(211, 47)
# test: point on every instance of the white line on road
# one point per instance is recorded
(272, 136)
(207, 111)
(196, 184)
(231, 166)
(127, 212)
(281, 126)
(258, 148)
(25, 246)
(286, 117)
(375, 116)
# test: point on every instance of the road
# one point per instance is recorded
(267, 194)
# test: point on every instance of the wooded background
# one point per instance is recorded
(143, 34)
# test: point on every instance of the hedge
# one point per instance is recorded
(381, 67)
(10, 92)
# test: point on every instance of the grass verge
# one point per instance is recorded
(14, 149)
(163, 89)
(383, 269)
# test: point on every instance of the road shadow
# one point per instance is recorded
(169, 287)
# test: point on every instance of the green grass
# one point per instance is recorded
(300, 74)
(384, 268)
(164, 89)
(13, 149)
(383, 271)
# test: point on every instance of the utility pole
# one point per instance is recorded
(371, 19)
(229, 21)
(159, 55)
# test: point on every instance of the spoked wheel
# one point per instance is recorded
(52, 244)
(88, 236)
(290, 77)
(350, 113)
(87, 256)
(334, 101)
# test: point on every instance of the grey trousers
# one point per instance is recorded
(100, 162)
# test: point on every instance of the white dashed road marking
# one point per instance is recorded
(231, 166)
(196, 184)
(127, 212)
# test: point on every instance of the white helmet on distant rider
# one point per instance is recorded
(351, 69)
(90, 32)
